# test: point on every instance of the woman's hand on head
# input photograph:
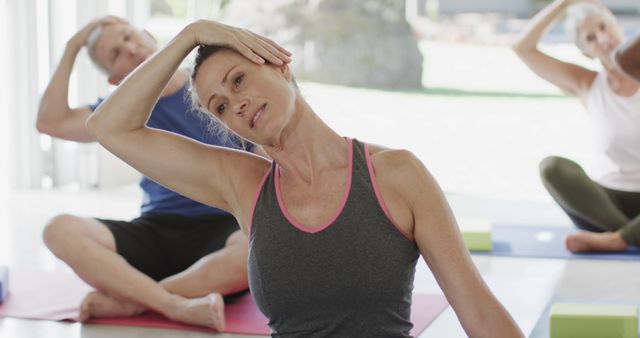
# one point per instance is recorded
(253, 46)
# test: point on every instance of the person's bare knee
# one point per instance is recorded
(63, 231)
(58, 230)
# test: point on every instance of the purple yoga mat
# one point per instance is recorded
(57, 295)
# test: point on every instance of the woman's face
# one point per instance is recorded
(599, 34)
(254, 101)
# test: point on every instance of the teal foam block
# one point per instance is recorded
(4, 283)
(573, 320)
(476, 234)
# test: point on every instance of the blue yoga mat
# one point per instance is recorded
(543, 242)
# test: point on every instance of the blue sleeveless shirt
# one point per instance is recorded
(173, 113)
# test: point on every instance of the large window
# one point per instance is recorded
(478, 118)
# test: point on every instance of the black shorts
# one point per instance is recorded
(164, 245)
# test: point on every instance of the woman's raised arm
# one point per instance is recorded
(570, 78)
(425, 214)
(204, 173)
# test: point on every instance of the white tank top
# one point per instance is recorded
(617, 127)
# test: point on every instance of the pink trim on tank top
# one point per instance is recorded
(317, 229)
(255, 200)
(374, 184)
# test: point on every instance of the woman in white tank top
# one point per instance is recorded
(607, 203)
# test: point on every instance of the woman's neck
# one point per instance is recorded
(307, 147)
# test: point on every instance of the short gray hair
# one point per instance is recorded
(93, 38)
(576, 13)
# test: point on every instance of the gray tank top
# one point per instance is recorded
(351, 277)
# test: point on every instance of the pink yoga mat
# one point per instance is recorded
(57, 295)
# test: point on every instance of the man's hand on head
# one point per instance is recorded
(81, 37)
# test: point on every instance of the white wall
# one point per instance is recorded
(4, 101)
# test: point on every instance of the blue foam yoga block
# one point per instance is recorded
(4, 282)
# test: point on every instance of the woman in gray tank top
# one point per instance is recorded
(336, 226)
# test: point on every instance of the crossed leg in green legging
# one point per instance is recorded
(612, 217)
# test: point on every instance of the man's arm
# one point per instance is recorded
(628, 57)
(55, 117)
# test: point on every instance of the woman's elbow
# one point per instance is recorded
(49, 127)
(515, 46)
(519, 48)
(43, 127)
(523, 45)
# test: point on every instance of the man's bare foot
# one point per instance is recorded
(592, 241)
(205, 311)
(99, 305)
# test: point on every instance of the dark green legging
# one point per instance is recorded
(591, 206)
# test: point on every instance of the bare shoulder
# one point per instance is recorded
(403, 174)
(400, 165)
(406, 186)
(382, 155)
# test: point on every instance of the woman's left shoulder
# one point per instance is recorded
(386, 159)
(406, 185)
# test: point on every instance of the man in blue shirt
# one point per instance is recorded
(180, 256)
